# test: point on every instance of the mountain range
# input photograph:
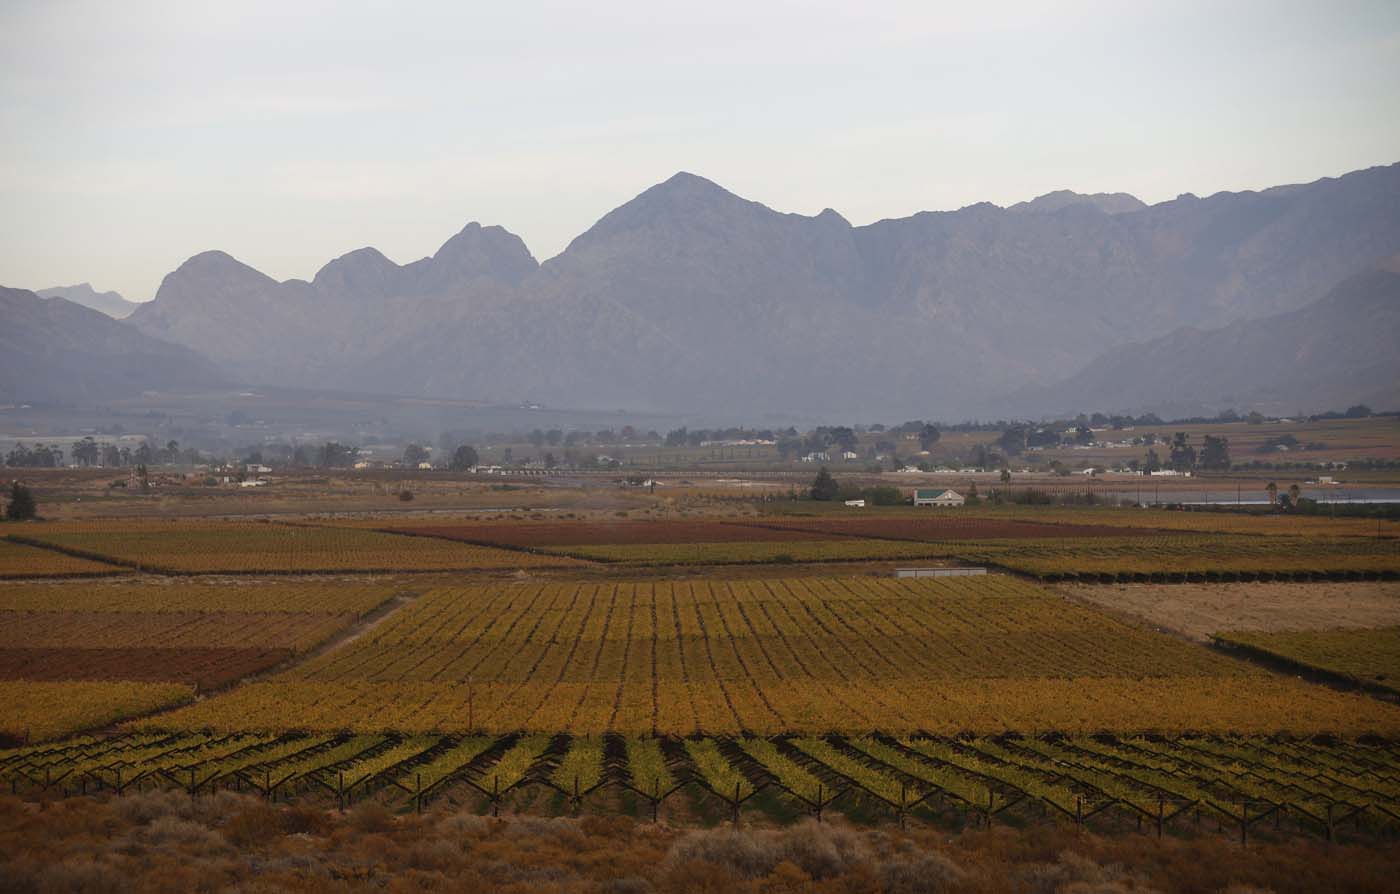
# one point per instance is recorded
(110, 303)
(690, 297)
(54, 350)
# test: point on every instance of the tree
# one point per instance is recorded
(414, 454)
(1183, 455)
(928, 436)
(1294, 493)
(334, 455)
(1153, 462)
(1272, 489)
(86, 451)
(1005, 476)
(1215, 454)
(22, 505)
(464, 457)
(824, 487)
(1013, 440)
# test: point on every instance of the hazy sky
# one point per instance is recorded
(133, 135)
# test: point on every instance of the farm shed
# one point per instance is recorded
(937, 498)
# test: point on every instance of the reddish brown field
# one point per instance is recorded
(203, 668)
(945, 528)
(550, 534)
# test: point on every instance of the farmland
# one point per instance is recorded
(1371, 657)
(711, 664)
(553, 534)
(1102, 781)
(18, 560)
(808, 655)
(241, 547)
(40, 710)
(62, 643)
(745, 552)
(1201, 609)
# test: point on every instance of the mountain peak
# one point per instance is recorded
(477, 251)
(1107, 202)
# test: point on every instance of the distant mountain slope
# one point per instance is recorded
(1340, 350)
(689, 296)
(55, 351)
(110, 303)
(1107, 202)
(300, 333)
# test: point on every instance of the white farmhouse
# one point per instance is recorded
(938, 498)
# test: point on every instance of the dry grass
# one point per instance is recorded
(168, 842)
(1198, 610)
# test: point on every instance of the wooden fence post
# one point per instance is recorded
(1244, 824)
(819, 802)
(496, 795)
(736, 805)
(418, 794)
(1330, 829)
(1160, 811)
(340, 791)
(655, 796)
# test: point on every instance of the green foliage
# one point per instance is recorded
(824, 487)
(464, 458)
(22, 504)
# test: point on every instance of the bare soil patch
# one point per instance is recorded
(1198, 610)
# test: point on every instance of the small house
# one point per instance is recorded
(937, 497)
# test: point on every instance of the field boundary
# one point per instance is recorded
(1276, 661)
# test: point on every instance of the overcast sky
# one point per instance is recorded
(133, 135)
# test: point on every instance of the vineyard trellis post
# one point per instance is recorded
(496, 795)
(418, 794)
(737, 804)
(1079, 813)
(1244, 824)
(1160, 810)
(340, 791)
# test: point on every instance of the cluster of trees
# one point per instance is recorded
(91, 452)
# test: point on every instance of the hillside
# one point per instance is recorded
(1339, 350)
(689, 296)
(55, 351)
(110, 303)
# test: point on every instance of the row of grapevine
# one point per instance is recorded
(1239, 781)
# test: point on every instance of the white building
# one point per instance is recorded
(938, 498)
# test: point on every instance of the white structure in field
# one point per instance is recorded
(858, 504)
(938, 498)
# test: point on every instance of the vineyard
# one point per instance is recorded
(760, 551)
(1369, 657)
(19, 560)
(40, 710)
(808, 655)
(1235, 783)
(198, 547)
(62, 643)
(1191, 557)
(549, 534)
